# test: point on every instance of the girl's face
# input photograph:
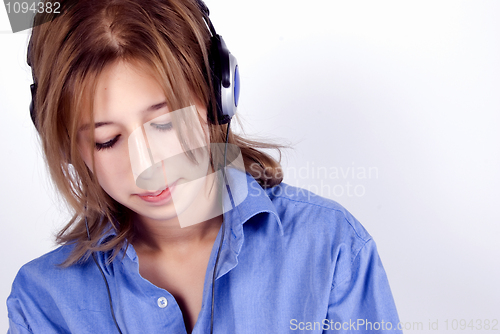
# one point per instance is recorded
(133, 131)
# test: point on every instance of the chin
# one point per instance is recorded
(158, 213)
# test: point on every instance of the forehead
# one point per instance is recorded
(125, 87)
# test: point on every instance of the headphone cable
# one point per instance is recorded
(222, 232)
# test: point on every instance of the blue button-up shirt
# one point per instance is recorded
(291, 262)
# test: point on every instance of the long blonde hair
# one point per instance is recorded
(67, 54)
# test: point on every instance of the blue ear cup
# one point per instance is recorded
(229, 84)
(225, 80)
(236, 90)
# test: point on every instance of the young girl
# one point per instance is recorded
(179, 225)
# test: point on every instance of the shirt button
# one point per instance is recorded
(162, 302)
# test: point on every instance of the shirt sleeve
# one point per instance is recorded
(360, 299)
(16, 317)
(17, 329)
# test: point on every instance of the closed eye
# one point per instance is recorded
(108, 144)
(162, 127)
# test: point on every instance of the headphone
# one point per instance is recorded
(225, 73)
(225, 76)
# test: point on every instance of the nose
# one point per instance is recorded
(148, 173)
(156, 153)
(152, 178)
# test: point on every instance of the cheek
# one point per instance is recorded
(112, 175)
(112, 168)
(112, 163)
(200, 169)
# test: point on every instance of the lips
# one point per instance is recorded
(156, 193)
(159, 196)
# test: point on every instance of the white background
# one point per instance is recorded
(409, 89)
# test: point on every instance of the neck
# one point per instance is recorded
(164, 237)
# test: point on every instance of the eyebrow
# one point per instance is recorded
(99, 124)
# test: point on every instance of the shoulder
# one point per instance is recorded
(42, 287)
(46, 268)
(299, 206)
(319, 226)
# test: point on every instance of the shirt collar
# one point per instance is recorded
(249, 199)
